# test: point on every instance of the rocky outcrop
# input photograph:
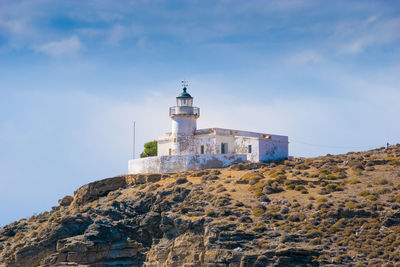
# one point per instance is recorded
(233, 217)
(141, 230)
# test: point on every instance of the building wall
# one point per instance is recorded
(163, 146)
(265, 147)
(179, 145)
(242, 145)
(228, 140)
(208, 141)
(173, 164)
(271, 149)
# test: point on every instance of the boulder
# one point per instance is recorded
(66, 201)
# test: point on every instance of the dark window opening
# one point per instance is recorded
(223, 148)
(249, 149)
(201, 149)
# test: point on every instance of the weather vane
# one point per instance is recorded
(184, 84)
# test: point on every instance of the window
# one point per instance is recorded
(184, 102)
(201, 149)
(249, 149)
(169, 151)
(224, 148)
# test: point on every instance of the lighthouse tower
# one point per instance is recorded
(184, 125)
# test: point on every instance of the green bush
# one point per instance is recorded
(150, 149)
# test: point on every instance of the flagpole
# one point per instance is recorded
(134, 139)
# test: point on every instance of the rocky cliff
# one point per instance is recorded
(332, 210)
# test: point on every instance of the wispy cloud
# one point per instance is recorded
(354, 37)
(306, 57)
(65, 47)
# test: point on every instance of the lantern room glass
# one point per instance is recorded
(184, 102)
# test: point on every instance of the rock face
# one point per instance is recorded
(213, 218)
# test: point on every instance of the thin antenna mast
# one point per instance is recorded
(134, 139)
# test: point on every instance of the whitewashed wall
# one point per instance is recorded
(184, 125)
(173, 164)
(274, 149)
(242, 145)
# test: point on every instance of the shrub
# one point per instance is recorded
(301, 188)
(18, 236)
(280, 178)
(331, 177)
(260, 227)
(324, 171)
(291, 187)
(251, 177)
(293, 218)
(333, 188)
(383, 191)
(322, 199)
(357, 169)
(302, 167)
(371, 197)
(314, 233)
(150, 149)
(259, 210)
(351, 205)
(383, 181)
(339, 224)
(364, 193)
(210, 213)
(353, 181)
(257, 189)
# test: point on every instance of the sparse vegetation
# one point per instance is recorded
(261, 208)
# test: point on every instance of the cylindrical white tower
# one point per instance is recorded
(184, 115)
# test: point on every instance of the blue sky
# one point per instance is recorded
(74, 75)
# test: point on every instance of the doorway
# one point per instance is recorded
(224, 148)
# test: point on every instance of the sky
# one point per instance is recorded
(74, 75)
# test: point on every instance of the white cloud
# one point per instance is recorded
(306, 57)
(65, 47)
(354, 37)
(352, 48)
(116, 34)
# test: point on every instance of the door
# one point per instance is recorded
(224, 148)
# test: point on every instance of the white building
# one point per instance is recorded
(187, 148)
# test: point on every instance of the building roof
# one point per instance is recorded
(184, 94)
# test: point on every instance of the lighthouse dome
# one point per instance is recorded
(184, 94)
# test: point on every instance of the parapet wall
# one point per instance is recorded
(181, 163)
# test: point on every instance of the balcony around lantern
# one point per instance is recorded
(184, 110)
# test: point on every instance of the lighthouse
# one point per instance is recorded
(188, 148)
(184, 115)
(184, 122)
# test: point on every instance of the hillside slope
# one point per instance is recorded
(332, 210)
